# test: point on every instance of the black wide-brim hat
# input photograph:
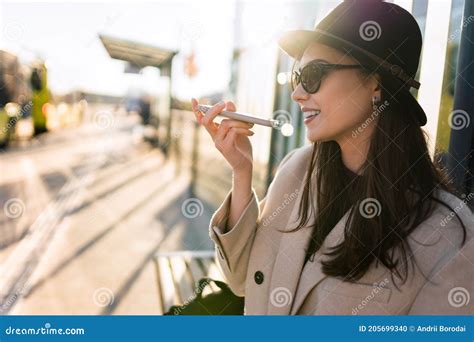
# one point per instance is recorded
(383, 37)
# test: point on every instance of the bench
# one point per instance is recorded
(178, 272)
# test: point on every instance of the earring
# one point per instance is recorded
(375, 101)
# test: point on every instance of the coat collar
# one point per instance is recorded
(312, 273)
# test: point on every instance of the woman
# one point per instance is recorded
(361, 221)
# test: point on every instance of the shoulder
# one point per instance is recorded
(458, 210)
(297, 158)
(446, 258)
(446, 219)
(444, 235)
(291, 172)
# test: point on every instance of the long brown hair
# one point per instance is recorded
(399, 178)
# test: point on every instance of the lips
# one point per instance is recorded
(311, 113)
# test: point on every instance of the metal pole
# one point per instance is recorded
(275, 140)
(167, 146)
(195, 159)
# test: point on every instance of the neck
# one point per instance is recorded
(354, 151)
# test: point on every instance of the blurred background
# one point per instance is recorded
(103, 170)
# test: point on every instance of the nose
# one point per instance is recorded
(299, 94)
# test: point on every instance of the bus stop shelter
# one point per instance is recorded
(140, 55)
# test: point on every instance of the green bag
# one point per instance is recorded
(223, 302)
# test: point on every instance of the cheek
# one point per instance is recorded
(349, 110)
(345, 105)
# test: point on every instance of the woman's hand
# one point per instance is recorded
(230, 136)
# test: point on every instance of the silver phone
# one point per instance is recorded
(245, 117)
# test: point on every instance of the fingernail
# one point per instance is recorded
(220, 103)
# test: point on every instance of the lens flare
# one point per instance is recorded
(287, 129)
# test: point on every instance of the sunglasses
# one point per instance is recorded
(312, 74)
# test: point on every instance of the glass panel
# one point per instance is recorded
(447, 97)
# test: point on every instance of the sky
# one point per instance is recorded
(65, 35)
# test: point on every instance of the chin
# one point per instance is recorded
(317, 137)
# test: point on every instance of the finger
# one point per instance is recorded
(197, 113)
(232, 137)
(208, 118)
(235, 123)
(213, 112)
(226, 143)
(229, 105)
(233, 132)
(226, 125)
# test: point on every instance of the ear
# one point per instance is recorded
(376, 87)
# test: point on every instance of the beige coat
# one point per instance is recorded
(266, 266)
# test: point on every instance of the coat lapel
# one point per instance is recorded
(312, 274)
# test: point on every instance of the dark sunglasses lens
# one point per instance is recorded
(311, 78)
(295, 80)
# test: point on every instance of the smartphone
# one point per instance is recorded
(245, 117)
